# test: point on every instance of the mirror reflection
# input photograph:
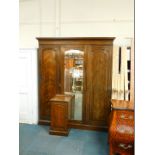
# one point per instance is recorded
(73, 79)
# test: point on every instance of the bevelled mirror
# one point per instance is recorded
(73, 79)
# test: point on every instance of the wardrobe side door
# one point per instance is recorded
(98, 84)
(48, 80)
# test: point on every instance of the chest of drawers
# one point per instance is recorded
(121, 132)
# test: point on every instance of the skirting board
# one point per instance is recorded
(78, 125)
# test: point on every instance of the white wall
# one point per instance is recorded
(64, 18)
(36, 19)
(96, 18)
(50, 18)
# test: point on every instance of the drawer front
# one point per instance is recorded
(123, 148)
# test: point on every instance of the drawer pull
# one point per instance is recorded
(130, 117)
(124, 146)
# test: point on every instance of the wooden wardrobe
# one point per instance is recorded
(97, 78)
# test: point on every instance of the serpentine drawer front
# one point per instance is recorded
(121, 132)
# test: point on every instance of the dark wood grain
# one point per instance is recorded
(60, 112)
(48, 80)
(76, 41)
(97, 77)
(59, 116)
(98, 86)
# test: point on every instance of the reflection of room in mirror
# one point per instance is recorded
(73, 78)
(78, 106)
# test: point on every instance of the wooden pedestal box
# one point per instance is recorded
(121, 132)
(60, 113)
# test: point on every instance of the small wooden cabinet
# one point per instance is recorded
(61, 107)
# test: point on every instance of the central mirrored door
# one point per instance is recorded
(73, 79)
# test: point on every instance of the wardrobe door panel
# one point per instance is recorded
(97, 96)
(48, 80)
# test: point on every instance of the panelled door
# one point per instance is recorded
(59, 112)
(98, 84)
(49, 79)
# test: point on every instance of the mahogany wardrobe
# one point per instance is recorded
(83, 67)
